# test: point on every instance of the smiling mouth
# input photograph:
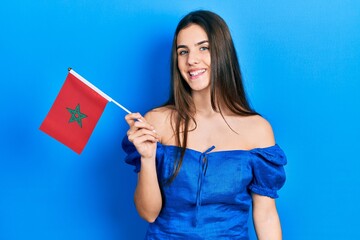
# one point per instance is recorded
(196, 73)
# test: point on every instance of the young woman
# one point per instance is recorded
(205, 156)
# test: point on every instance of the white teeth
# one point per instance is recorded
(195, 73)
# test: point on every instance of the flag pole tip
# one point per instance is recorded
(69, 69)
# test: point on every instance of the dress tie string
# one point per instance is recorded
(203, 164)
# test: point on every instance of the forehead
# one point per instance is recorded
(191, 35)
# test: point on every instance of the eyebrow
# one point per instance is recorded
(196, 44)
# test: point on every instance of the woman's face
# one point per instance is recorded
(193, 56)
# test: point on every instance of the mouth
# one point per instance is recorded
(196, 73)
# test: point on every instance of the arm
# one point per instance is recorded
(147, 196)
(266, 219)
(265, 215)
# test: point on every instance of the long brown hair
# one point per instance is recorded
(226, 81)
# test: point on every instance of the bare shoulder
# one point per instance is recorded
(161, 118)
(158, 116)
(260, 133)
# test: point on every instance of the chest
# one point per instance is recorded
(223, 137)
(212, 177)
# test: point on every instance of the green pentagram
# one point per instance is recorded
(76, 115)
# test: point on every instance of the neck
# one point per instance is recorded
(202, 102)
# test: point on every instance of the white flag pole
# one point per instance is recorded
(104, 95)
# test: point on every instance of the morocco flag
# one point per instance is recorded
(75, 112)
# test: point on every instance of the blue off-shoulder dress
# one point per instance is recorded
(211, 196)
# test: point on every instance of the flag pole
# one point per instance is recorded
(101, 93)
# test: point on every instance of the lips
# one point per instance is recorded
(195, 73)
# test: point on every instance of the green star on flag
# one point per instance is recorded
(76, 115)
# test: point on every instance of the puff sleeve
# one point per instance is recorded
(133, 157)
(268, 171)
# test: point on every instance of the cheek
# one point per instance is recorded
(181, 65)
(208, 60)
(180, 68)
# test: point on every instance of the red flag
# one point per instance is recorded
(74, 114)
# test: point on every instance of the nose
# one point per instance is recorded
(193, 58)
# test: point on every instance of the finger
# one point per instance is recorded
(144, 124)
(129, 132)
(143, 139)
(139, 125)
(132, 117)
(141, 132)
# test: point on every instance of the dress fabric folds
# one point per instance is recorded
(211, 196)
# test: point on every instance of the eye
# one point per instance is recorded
(204, 48)
(182, 52)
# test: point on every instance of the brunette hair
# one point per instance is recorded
(226, 82)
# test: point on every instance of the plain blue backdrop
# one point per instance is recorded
(301, 65)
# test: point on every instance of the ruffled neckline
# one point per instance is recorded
(259, 149)
(272, 153)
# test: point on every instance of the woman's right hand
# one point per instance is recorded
(147, 197)
(142, 135)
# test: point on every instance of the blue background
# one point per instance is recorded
(301, 65)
